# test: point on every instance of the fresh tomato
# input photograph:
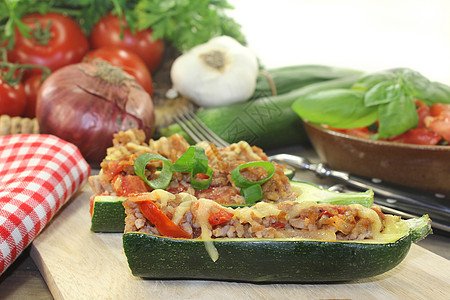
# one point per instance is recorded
(31, 87)
(439, 120)
(12, 99)
(220, 217)
(164, 225)
(108, 32)
(57, 41)
(128, 61)
(417, 136)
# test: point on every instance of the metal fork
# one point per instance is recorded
(199, 132)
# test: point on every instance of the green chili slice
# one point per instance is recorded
(251, 190)
(165, 175)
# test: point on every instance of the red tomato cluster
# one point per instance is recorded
(57, 41)
(433, 127)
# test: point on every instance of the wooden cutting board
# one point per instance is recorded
(79, 264)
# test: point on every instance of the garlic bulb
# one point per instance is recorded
(219, 72)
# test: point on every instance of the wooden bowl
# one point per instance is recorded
(416, 166)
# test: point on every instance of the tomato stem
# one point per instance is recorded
(41, 34)
(12, 73)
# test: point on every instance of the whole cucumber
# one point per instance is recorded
(267, 122)
(285, 79)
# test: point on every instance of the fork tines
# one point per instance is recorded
(197, 130)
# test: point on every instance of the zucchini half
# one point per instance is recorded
(269, 260)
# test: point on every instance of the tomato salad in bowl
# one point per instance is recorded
(391, 125)
(433, 127)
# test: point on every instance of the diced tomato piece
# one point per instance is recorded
(111, 168)
(362, 132)
(441, 126)
(439, 120)
(417, 136)
(220, 217)
(438, 108)
(423, 112)
(129, 184)
(164, 225)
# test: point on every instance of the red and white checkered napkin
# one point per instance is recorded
(38, 174)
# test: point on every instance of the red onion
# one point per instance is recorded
(87, 103)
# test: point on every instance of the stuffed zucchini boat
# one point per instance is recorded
(171, 163)
(171, 236)
(132, 166)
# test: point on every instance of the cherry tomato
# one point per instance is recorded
(128, 61)
(12, 99)
(107, 32)
(31, 87)
(61, 43)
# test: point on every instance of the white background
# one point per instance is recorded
(367, 35)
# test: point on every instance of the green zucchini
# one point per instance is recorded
(108, 214)
(268, 122)
(265, 260)
(308, 191)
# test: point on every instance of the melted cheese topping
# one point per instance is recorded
(202, 215)
(370, 214)
(259, 210)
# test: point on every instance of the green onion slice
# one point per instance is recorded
(203, 184)
(251, 190)
(195, 161)
(165, 176)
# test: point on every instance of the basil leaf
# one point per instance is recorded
(414, 83)
(383, 92)
(368, 81)
(340, 108)
(436, 93)
(397, 116)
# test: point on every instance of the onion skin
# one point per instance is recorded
(87, 103)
